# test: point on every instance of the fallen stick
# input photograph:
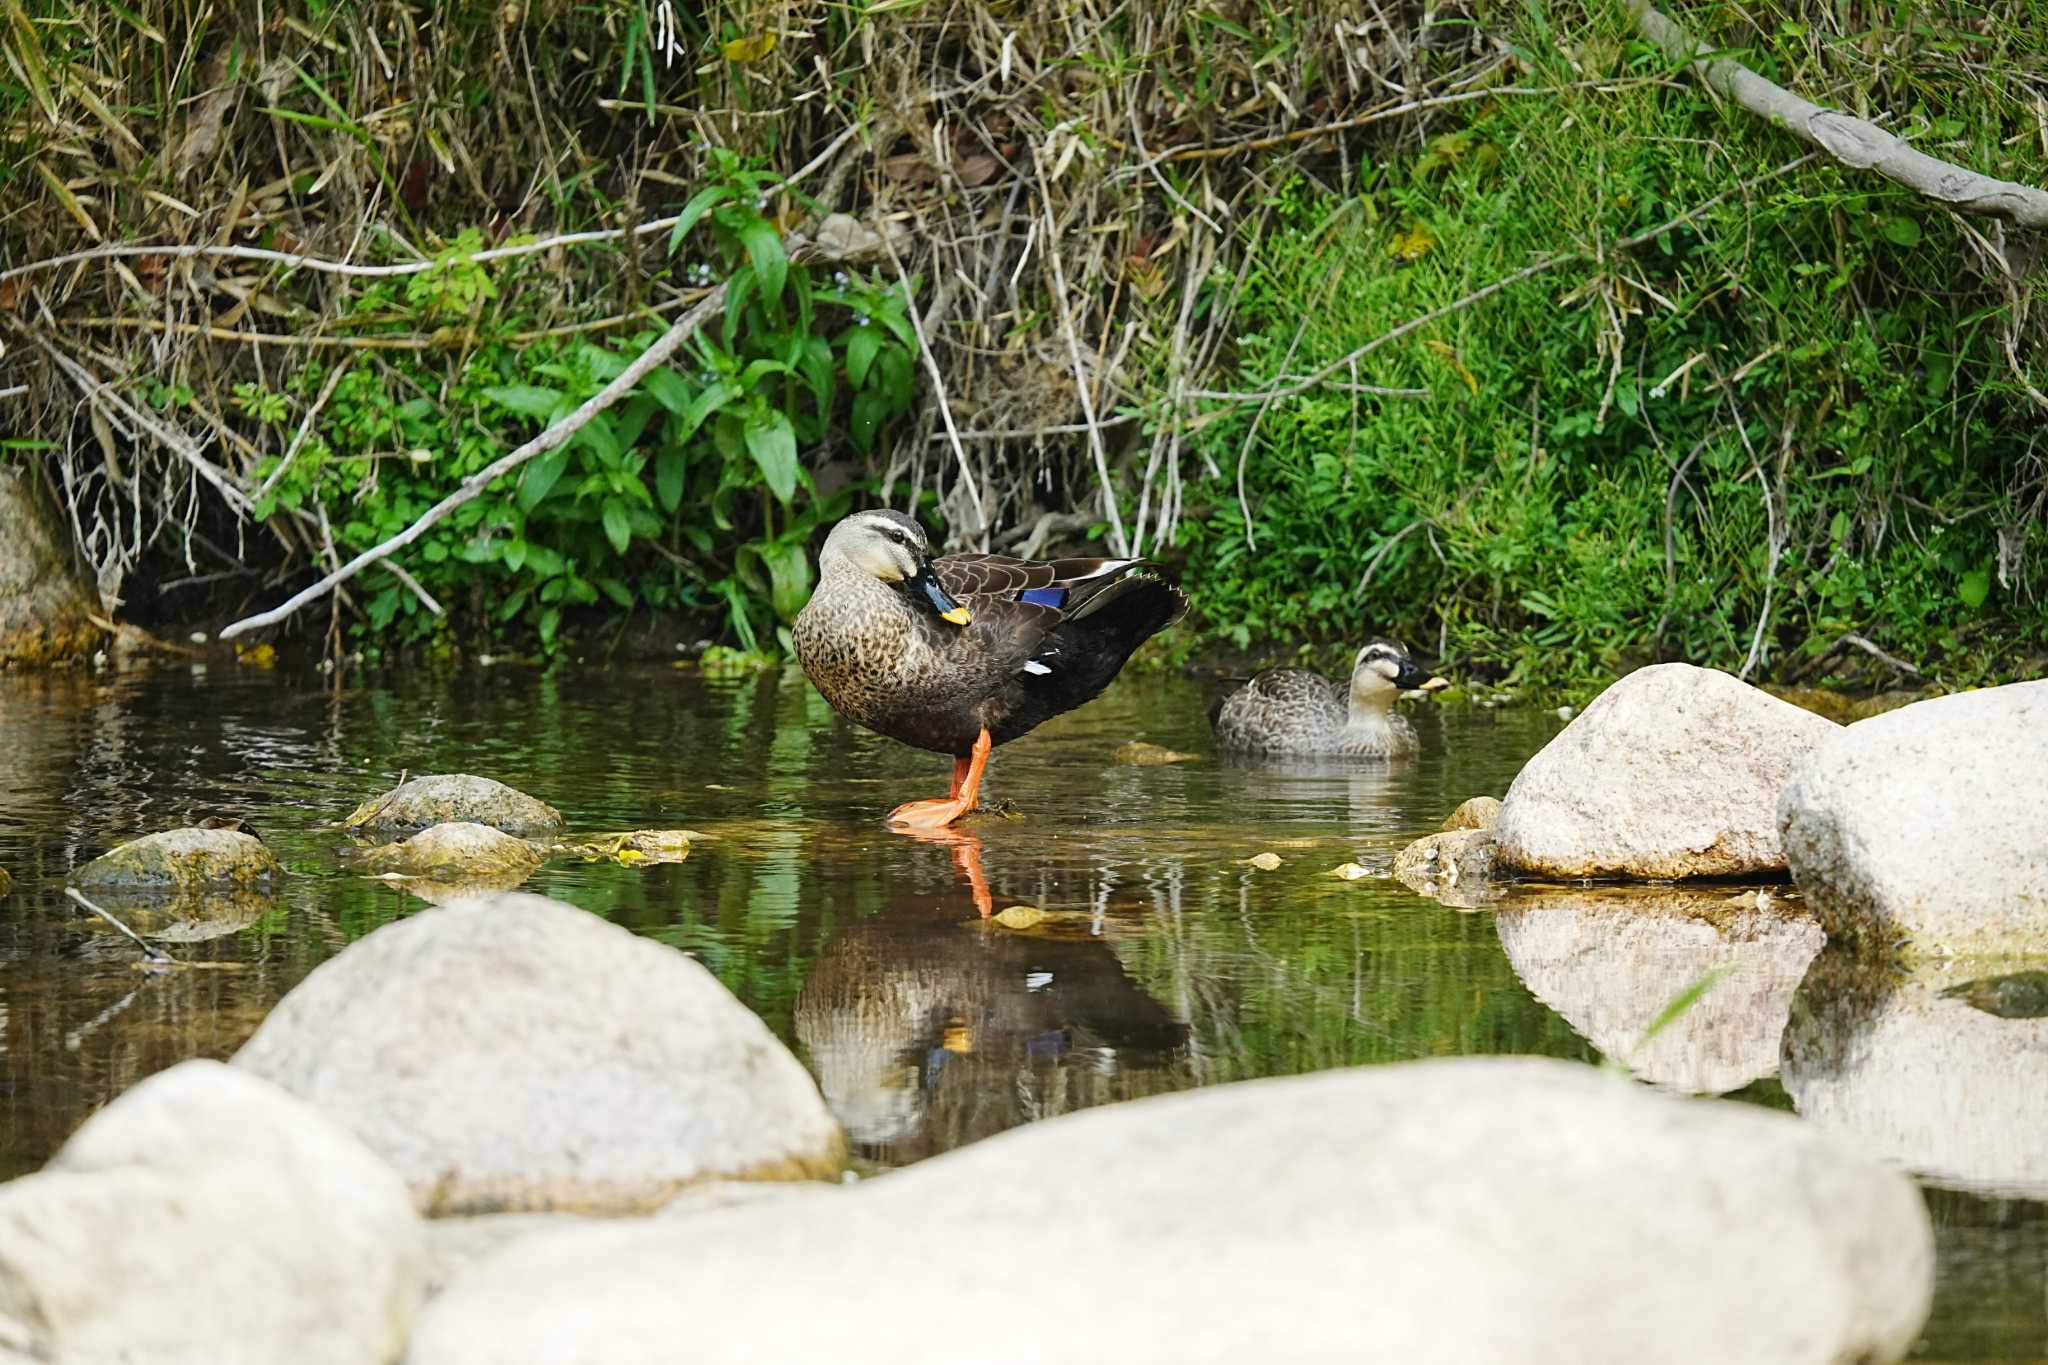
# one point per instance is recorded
(1847, 139)
(470, 488)
(153, 953)
(838, 238)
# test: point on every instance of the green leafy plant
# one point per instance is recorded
(691, 494)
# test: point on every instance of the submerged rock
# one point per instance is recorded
(207, 1216)
(1478, 812)
(1148, 755)
(1907, 1068)
(1413, 1212)
(454, 798)
(46, 601)
(1455, 867)
(1613, 961)
(515, 1053)
(1927, 825)
(1674, 771)
(635, 848)
(457, 852)
(182, 860)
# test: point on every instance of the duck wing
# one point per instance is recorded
(1063, 584)
(1053, 632)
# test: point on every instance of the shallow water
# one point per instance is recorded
(1164, 960)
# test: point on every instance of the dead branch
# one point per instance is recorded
(838, 238)
(1849, 140)
(553, 438)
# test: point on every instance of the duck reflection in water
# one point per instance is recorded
(929, 1027)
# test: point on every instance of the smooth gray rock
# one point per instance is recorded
(517, 1054)
(46, 600)
(1465, 1210)
(1894, 1066)
(182, 860)
(449, 798)
(1611, 961)
(1929, 824)
(1674, 771)
(207, 1217)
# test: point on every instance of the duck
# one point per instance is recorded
(963, 652)
(1296, 711)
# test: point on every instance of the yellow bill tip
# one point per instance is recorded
(958, 616)
(1435, 685)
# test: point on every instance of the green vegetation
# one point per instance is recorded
(1677, 390)
(1779, 422)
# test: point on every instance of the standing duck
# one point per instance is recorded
(965, 652)
(1294, 711)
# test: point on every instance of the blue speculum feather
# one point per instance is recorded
(1044, 597)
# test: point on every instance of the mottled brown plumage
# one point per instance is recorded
(1294, 711)
(1041, 637)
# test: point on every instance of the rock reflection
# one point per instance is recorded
(1612, 961)
(188, 917)
(929, 1026)
(1907, 1066)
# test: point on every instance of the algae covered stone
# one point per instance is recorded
(1672, 772)
(205, 1215)
(515, 1053)
(1479, 812)
(46, 603)
(182, 860)
(453, 798)
(1454, 867)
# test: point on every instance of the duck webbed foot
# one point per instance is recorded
(939, 813)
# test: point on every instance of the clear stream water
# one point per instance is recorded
(1165, 961)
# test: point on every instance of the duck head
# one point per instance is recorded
(891, 548)
(1382, 672)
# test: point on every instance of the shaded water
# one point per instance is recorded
(1164, 961)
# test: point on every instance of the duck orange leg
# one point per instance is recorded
(937, 814)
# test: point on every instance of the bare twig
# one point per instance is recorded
(305, 428)
(553, 438)
(152, 952)
(325, 266)
(1851, 141)
(1896, 664)
(931, 366)
(1117, 539)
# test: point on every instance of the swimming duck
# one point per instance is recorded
(962, 653)
(1294, 711)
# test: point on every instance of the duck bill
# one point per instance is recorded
(926, 584)
(1413, 679)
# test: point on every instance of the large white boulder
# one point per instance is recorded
(515, 1053)
(1907, 1071)
(1613, 961)
(1929, 824)
(207, 1217)
(1674, 771)
(1477, 1209)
